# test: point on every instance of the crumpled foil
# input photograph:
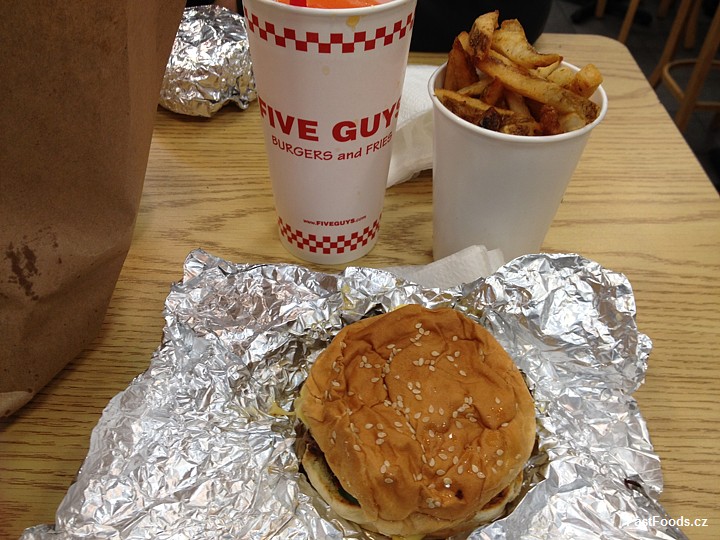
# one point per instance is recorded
(209, 65)
(191, 449)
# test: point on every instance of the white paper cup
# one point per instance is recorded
(498, 190)
(329, 83)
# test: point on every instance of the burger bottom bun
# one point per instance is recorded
(416, 525)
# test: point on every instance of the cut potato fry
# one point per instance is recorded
(510, 41)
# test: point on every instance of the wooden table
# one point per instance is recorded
(639, 203)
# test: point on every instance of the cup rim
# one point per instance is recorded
(336, 11)
(600, 97)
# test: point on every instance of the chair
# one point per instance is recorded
(692, 20)
(632, 9)
(701, 66)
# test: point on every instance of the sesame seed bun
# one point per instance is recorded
(422, 418)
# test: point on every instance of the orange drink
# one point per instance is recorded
(334, 4)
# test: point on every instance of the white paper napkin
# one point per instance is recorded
(465, 266)
(412, 149)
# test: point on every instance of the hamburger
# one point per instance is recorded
(417, 424)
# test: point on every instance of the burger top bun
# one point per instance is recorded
(419, 412)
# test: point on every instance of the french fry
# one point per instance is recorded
(481, 34)
(497, 80)
(460, 71)
(585, 81)
(476, 89)
(516, 103)
(481, 114)
(510, 41)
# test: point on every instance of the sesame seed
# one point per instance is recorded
(499, 452)
(431, 409)
(456, 460)
(450, 358)
(379, 426)
(458, 424)
(454, 338)
(379, 441)
(398, 424)
(418, 397)
(475, 468)
(426, 419)
(480, 474)
(354, 428)
(441, 411)
(462, 372)
(461, 469)
(417, 344)
(431, 433)
(443, 456)
(517, 456)
(375, 379)
(447, 481)
(383, 469)
(431, 462)
(389, 480)
(356, 447)
(431, 368)
(435, 353)
(504, 424)
(382, 435)
(456, 354)
(418, 477)
(421, 361)
(497, 400)
(440, 472)
(368, 426)
(417, 415)
(500, 462)
(335, 384)
(418, 325)
(451, 448)
(391, 346)
(410, 386)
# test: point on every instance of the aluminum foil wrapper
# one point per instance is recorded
(209, 65)
(194, 447)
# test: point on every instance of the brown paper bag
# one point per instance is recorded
(79, 85)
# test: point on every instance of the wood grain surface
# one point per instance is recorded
(639, 203)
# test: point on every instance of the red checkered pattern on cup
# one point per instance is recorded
(305, 41)
(325, 244)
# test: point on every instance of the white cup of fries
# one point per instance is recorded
(509, 127)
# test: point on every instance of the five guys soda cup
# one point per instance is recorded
(329, 83)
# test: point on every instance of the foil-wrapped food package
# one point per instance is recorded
(209, 65)
(195, 448)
